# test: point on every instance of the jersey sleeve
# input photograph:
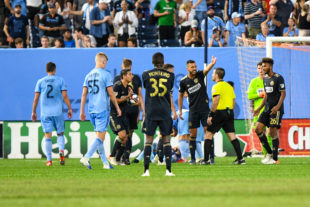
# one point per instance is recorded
(116, 89)
(252, 92)
(85, 82)
(182, 87)
(139, 82)
(63, 85)
(144, 77)
(108, 80)
(38, 87)
(216, 91)
(157, 6)
(172, 82)
(281, 84)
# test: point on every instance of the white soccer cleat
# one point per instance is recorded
(270, 162)
(146, 174)
(169, 173)
(267, 158)
(84, 161)
(113, 161)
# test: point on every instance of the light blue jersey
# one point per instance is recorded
(182, 125)
(234, 31)
(214, 22)
(261, 37)
(202, 6)
(291, 33)
(51, 100)
(97, 82)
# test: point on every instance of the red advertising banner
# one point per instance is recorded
(295, 137)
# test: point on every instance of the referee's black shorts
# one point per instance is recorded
(149, 126)
(132, 117)
(222, 119)
(197, 117)
(273, 120)
(119, 123)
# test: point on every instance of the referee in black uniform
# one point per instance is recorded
(222, 115)
(274, 87)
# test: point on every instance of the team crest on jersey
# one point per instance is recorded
(196, 80)
(271, 83)
(118, 126)
(282, 85)
(187, 85)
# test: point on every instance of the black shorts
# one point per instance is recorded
(132, 117)
(222, 119)
(197, 117)
(124, 37)
(149, 126)
(271, 120)
(32, 11)
(118, 124)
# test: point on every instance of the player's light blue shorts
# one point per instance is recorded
(200, 134)
(100, 121)
(49, 123)
(183, 125)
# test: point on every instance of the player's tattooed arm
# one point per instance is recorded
(208, 67)
(34, 106)
(277, 107)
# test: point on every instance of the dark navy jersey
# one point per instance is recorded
(273, 87)
(197, 92)
(158, 84)
(120, 91)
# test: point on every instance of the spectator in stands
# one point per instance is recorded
(273, 21)
(165, 10)
(216, 38)
(291, 30)
(297, 8)
(2, 17)
(142, 8)
(132, 42)
(285, 8)
(59, 43)
(200, 7)
(33, 7)
(117, 7)
(213, 22)
(304, 21)
(11, 4)
(186, 15)
(63, 8)
(85, 13)
(68, 40)
(77, 6)
(17, 26)
(52, 24)
(87, 42)
(19, 43)
(193, 36)
(100, 19)
(264, 34)
(232, 6)
(126, 22)
(44, 42)
(234, 28)
(111, 41)
(254, 12)
(44, 8)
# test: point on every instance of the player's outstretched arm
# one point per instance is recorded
(83, 101)
(34, 106)
(207, 68)
(67, 102)
(180, 102)
(113, 99)
(277, 107)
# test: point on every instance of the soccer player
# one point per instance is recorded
(54, 92)
(256, 94)
(98, 85)
(133, 110)
(119, 124)
(158, 84)
(222, 114)
(195, 86)
(271, 116)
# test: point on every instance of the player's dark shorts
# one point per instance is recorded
(118, 124)
(222, 119)
(271, 120)
(132, 116)
(197, 117)
(149, 126)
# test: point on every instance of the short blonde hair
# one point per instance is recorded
(100, 56)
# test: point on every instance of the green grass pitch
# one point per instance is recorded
(31, 183)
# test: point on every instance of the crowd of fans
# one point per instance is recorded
(132, 23)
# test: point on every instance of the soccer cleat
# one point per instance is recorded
(192, 162)
(212, 161)
(108, 166)
(267, 158)
(205, 162)
(113, 161)
(161, 163)
(270, 162)
(170, 174)
(127, 162)
(49, 163)
(84, 161)
(239, 162)
(146, 173)
(277, 162)
(135, 161)
(62, 160)
(180, 161)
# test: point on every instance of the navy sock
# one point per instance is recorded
(167, 152)
(160, 150)
(263, 140)
(207, 149)
(147, 156)
(237, 148)
(192, 147)
(212, 150)
(116, 147)
(120, 152)
(128, 148)
(275, 148)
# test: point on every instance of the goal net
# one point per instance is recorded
(292, 61)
